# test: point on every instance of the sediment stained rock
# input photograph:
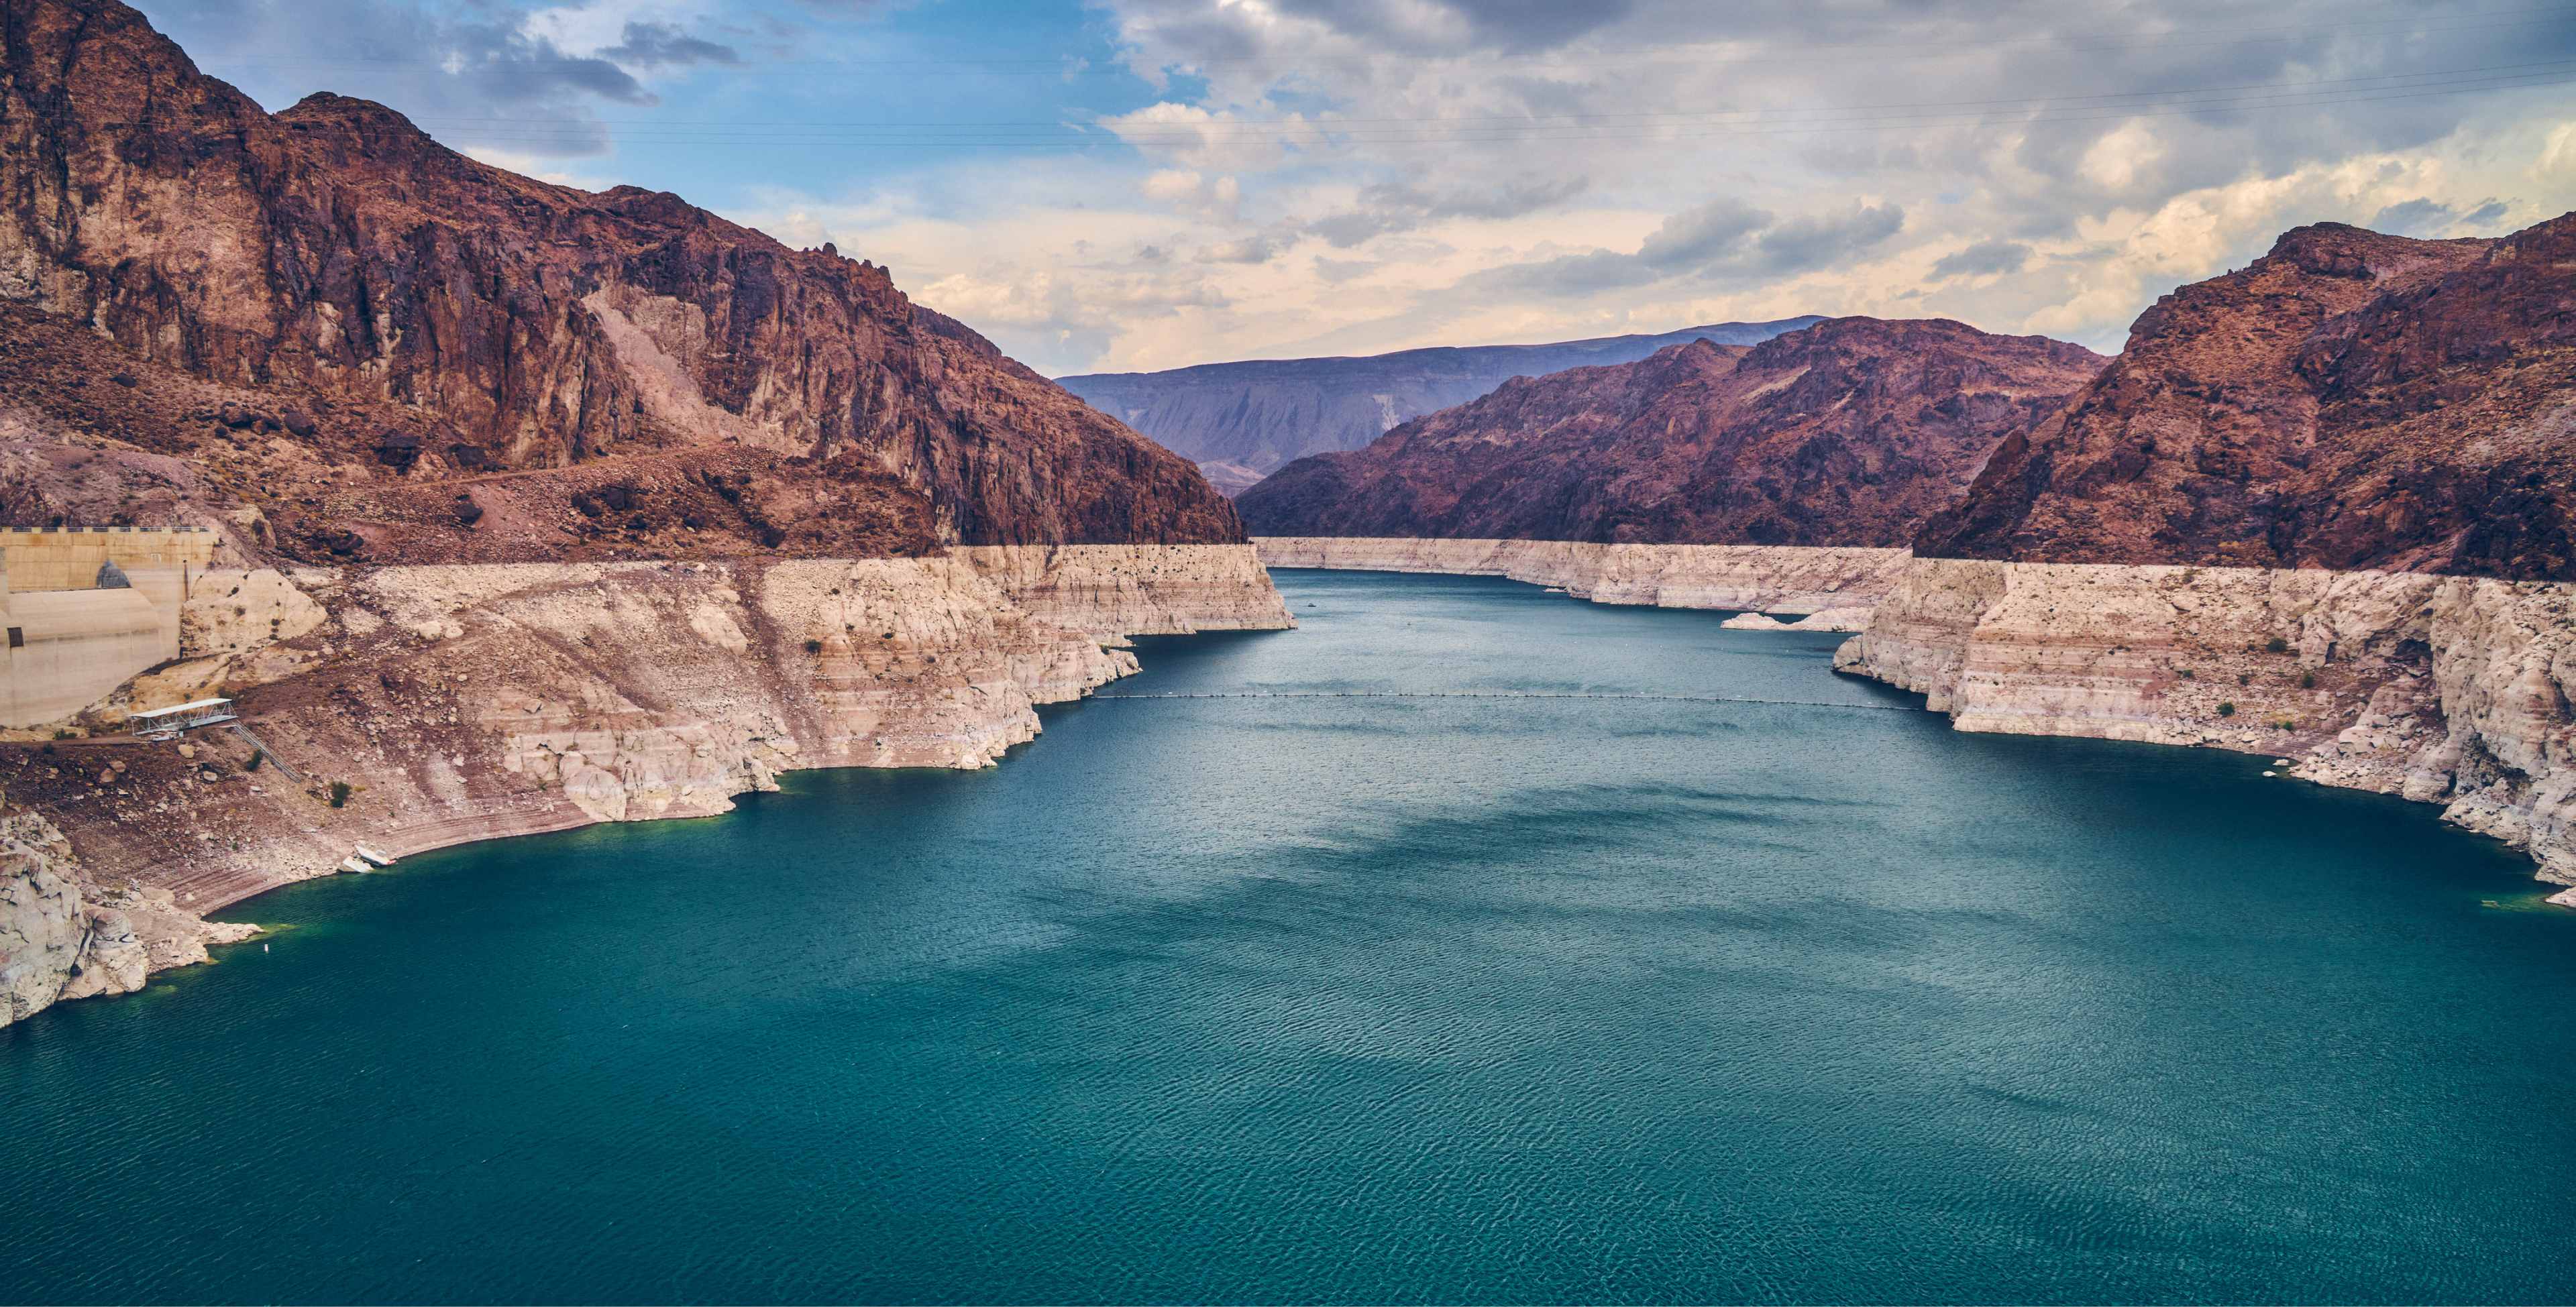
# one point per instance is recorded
(63, 936)
(1112, 591)
(2450, 690)
(1763, 578)
(469, 702)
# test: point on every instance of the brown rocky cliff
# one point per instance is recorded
(335, 250)
(2349, 401)
(1850, 432)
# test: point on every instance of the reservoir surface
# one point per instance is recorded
(1366, 999)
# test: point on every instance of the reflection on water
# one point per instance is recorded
(1365, 1000)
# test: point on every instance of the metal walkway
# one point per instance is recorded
(243, 733)
(1501, 694)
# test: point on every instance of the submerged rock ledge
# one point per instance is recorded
(2440, 689)
(478, 701)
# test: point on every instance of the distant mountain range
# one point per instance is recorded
(1850, 432)
(1240, 421)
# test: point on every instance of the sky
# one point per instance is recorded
(1129, 185)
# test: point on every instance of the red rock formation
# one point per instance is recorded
(1850, 432)
(2348, 401)
(333, 254)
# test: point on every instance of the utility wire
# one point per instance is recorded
(1060, 65)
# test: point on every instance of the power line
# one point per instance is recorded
(2540, 68)
(1060, 65)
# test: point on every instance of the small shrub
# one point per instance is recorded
(813, 646)
(2276, 645)
(2227, 710)
(2307, 680)
(340, 789)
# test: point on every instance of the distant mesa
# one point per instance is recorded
(1852, 431)
(1241, 421)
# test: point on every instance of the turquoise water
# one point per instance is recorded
(1346, 1000)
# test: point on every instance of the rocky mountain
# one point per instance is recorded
(1849, 432)
(1241, 421)
(2348, 401)
(388, 307)
(494, 507)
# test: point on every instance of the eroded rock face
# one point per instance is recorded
(470, 702)
(445, 319)
(2349, 401)
(2446, 690)
(1838, 584)
(63, 937)
(1847, 433)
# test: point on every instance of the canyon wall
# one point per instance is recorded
(1849, 432)
(1240, 421)
(399, 305)
(2348, 401)
(480, 701)
(1751, 578)
(64, 937)
(2450, 690)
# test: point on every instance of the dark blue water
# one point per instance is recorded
(1350, 1000)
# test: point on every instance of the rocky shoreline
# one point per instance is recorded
(1749, 578)
(470, 702)
(2439, 689)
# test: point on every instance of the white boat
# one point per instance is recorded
(380, 859)
(353, 864)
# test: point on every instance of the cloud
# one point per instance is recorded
(1196, 137)
(1250, 249)
(1815, 240)
(1190, 192)
(1402, 206)
(1984, 258)
(661, 45)
(1460, 25)
(2415, 217)
(1695, 237)
(1724, 238)
(486, 75)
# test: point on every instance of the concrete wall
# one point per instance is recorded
(72, 643)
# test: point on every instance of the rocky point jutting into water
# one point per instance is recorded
(2383, 426)
(496, 506)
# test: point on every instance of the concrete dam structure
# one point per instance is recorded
(87, 609)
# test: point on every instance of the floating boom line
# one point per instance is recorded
(1495, 694)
